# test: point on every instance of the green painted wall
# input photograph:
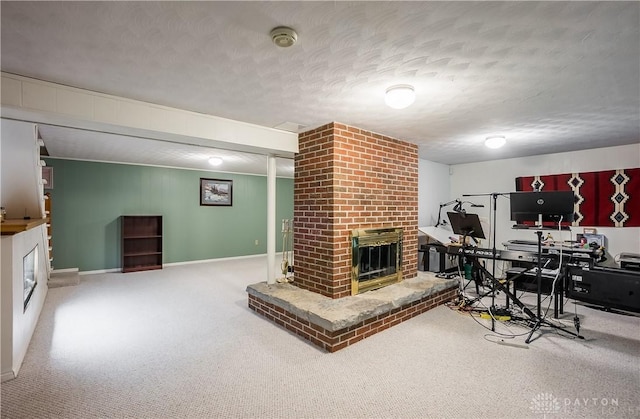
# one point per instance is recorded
(88, 198)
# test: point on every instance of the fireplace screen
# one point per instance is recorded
(376, 258)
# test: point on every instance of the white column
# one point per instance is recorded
(271, 219)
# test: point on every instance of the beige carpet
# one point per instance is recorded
(181, 343)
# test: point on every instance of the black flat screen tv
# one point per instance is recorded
(542, 206)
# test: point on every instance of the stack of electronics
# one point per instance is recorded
(545, 266)
(584, 281)
(608, 287)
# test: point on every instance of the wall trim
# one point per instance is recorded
(6, 376)
(164, 265)
(192, 262)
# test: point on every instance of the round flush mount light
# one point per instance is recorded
(215, 161)
(399, 96)
(495, 141)
(283, 36)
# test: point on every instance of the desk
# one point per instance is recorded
(437, 234)
(428, 265)
(438, 238)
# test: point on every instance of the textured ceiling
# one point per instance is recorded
(550, 76)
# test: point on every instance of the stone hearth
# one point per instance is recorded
(334, 324)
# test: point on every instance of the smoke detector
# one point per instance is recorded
(283, 36)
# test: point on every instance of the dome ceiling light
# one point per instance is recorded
(215, 161)
(495, 141)
(399, 96)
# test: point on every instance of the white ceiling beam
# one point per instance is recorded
(39, 101)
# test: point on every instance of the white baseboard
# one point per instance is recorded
(100, 271)
(191, 262)
(6, 376)
(66, 271)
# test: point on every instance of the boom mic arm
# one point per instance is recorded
(455, 201)
(458, 207)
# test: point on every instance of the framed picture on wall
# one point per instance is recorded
(216, 192)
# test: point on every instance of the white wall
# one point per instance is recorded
(499, 176)
(21, 192)
(433, 189)
(17, 324)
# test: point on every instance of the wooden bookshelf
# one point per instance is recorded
(141, 242)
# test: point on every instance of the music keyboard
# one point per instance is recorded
(532, 246)
(506, 255)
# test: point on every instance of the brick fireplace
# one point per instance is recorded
(348, 179)
(352, 187)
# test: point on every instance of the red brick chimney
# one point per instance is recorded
(346, 179)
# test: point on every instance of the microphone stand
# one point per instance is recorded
(494, 251)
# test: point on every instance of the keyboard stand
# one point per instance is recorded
(539, 319)
(536, 320)
(514, 274)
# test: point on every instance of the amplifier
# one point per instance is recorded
(607, 287)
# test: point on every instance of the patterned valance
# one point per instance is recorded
(610, 198)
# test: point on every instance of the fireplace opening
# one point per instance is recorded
(376, 258)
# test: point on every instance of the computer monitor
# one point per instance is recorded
(544, 205)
